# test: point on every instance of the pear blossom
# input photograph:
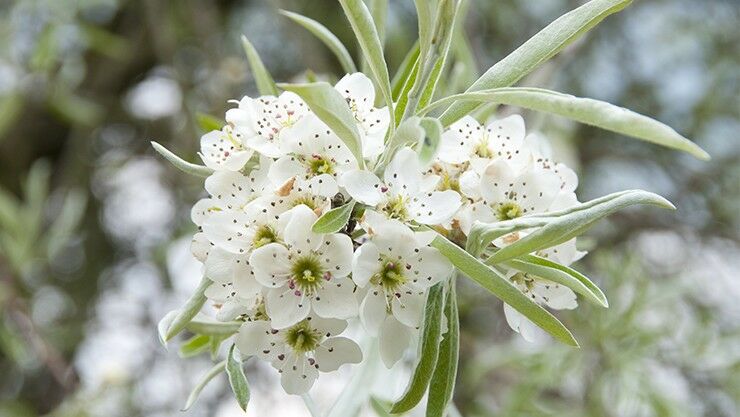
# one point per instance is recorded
(307, 270)
(224, 150)
(260, 123)
(315, 156)
(543, 292)
(299, 352)
(396, 267)
(372, 122)
(404, 194)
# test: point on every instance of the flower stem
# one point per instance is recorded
(311, 405)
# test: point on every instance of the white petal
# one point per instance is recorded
(520, 324)
(335, 352)
(408, 307)
(434, 207)
(363, 186)
(297, 233)
(336, 299)
(394, 239)
(373, 310)
(285, 168)
(271, 264)
(496, 181)
(336, 254)
(365, 263)
(403, 173)
(459, 141)
(470, 184)
(428, 267)
(285, 308)
(324, 185)
(220, 265)
(327, 327)
(359, 89)
(200, 246)
(255, 338)
(219, 150)
(230, 229)
(537, 190)
(556, 296)
(298, 375)
(202, 210)
(394, 339)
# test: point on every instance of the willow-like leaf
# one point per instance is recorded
(537, 50)
(428, 351)
(427, 148)
(499, 286)
(237, 379)
(563, 228)
(442, 384)
(585, 110)
(265, 84)
(212, 373)
(182, 165)
(188, 311)
(325, 36)
(333, 220)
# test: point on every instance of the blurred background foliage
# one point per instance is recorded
(94, 229)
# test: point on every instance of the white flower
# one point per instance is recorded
(404, 195)
(300, 351)
(234, 289)
(308, 270)
(224, 150)
(542, 292)
(466, 141)
(259, 123)
(315, 156)
(372, 122)
(507, 193)
(397, 268)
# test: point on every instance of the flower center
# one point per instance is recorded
(509, 211)
(306, 200)
(390, 277)
(448, 183)
(395, 208)
(481, 149)
(265, 234)
(307, 275)
(318, 165)
(302, 337)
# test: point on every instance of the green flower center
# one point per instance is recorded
(302, 337)
(509, 211)
(448, 183)
(306, 200)
(265, 234)
(395, 208)
(481, 149)
(307, 274)
(318, 165)
(390, 277)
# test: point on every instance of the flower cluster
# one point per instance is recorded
(278, 168)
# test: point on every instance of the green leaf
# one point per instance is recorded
(538, 49)
(427, 148)
(263, 79)
(403, 94)
(367, 36)
(325, 36)
(165, 324)
(333, 110)
(405, 71)
(194, 346)
(499, 286)
(237, 379)
(585, 110)
(561, 274)
(202, 324)
(212, 373)
(409, 133)
(428, 351)
(188, 311)
(334, 220)
(561, 228)
(207, 123)
(184, 166)
(442, 385)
